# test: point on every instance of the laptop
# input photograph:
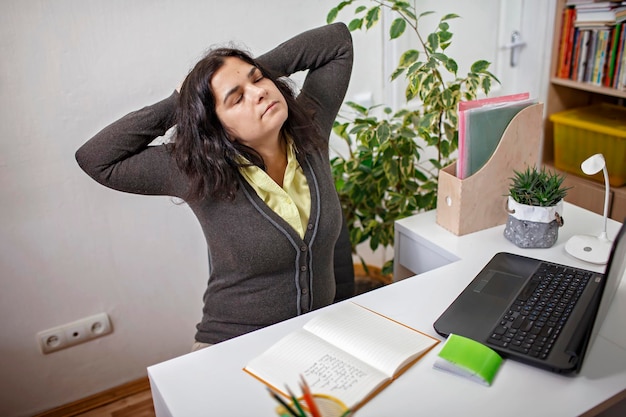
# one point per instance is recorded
(537, 312)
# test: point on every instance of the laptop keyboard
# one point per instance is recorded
(537, 316)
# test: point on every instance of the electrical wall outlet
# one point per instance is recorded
(71, 334)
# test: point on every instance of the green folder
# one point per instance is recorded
(469, 358)
(484, 128)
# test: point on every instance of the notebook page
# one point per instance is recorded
(326, 369)
(375, 339)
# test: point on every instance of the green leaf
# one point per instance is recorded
(383, 132)
(410, 92)
(445, 37)
(343, 4)
(357, 107)
(397, 28)
(450, 16)
(398, 71)
(359, 9)
(340, 129)
(332, 15)
(440, 57)
(372, 17)
(401, 113)
(358, 128)
(409, 57)
(444, 146)
(486, 85)
(420, 175)
(387, 268)
(355, 24)
(452, 66)
(447, 98)
(415, 68)
(493, 77)
(433, 42)
(480, 66)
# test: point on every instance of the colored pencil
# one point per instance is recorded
(308, 398)
(296, 402)
(283, 403)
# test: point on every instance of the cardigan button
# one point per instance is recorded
(303, 248)
(303, 268)
(305, 291)
(309, 226)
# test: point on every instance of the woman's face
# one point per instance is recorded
(250, 106)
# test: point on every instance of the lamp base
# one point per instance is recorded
(589, 248)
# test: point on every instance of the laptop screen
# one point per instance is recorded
(615, 270)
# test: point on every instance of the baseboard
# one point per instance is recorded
(98, 400)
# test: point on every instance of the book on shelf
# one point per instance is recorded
(619, 57)
(607, 80)
(608, 12)
(621, 70)
(567, 30)
(348, 352)
(606, 17)
(591, 43)
(600, 57)
(576, 53)
(583, 55)
(591, 55)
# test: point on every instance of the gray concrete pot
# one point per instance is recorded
(533, 226)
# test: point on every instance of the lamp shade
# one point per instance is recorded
(593, 164)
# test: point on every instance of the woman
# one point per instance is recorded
(251, 160)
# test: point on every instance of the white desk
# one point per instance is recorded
(211, 381)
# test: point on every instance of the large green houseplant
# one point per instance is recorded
(385, 175)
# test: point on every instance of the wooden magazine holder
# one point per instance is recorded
(478, 201)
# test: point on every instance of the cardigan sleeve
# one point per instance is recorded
(119, 156)
(326, 52)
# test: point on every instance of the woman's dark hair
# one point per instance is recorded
(204, 150)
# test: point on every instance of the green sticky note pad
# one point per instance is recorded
(469, 358)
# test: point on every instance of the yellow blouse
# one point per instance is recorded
(292, 201)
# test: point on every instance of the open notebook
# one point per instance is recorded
(347, 352)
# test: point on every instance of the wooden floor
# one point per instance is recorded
(132, 399)
(137, 405)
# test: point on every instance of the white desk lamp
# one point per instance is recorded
(594, 249)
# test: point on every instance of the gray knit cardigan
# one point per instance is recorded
(261, 271)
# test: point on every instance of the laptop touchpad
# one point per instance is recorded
(498, 284)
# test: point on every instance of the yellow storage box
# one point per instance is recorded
(582, 132)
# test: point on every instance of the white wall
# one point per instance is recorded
(71, 248)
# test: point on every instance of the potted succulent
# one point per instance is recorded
(385, 175)
(535, 207)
